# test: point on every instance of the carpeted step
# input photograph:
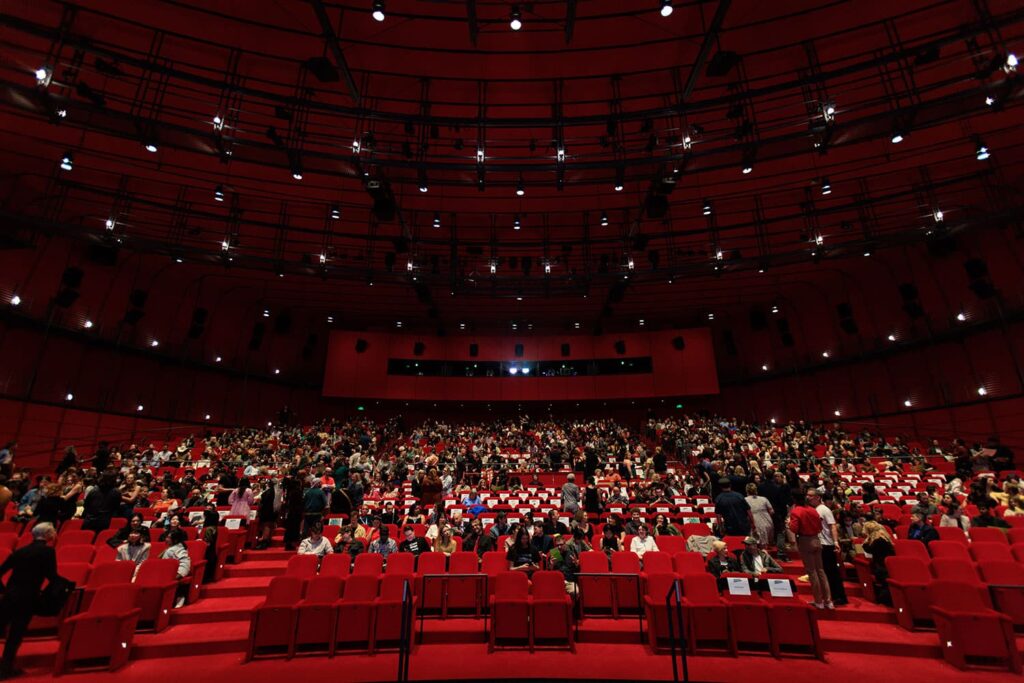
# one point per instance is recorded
(216, 610)
(272, 554)
(246, 586)
(192, 639)
(267, 568)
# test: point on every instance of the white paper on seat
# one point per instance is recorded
(780, 588)
(738, 585)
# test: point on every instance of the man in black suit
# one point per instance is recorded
(29, 566)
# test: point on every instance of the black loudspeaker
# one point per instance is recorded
(979, 282)
(65, 297)
(72, 277)
(361, 346)
(310, 346)
(729, 342)
(103, 254)
(474, 350)
(198, 326)
(911, 302)
(256, 340)
(846, 322)
(758, 320)
(620, 347)
(283, 322)
(565, 350)
(787, 337)
(418, 348)
(138, 297)
(519, 350)
(678, 343)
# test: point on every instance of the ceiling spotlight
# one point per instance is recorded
(982, 391)
(961, 316)
(711, 316)
(423, 186)
(620, 178)
(335, 213)
(560, 154)
(1011, 63)
(604, 219)
(892, 337)
(980, 152)
(218, 122)
(819, 239)
(218, 193)
(747, 169)
(378, 10)
(513, 370)
(824, 354)
(266, 312)
(775, 309)
(398, 324)
(277, 371)
(707, 207)
(66, 161)
(323, 258)
(829, 111)
(826, 186)
(867, 251)
(155, 343)
(989, 100)
(330, 318)
(641, 322)
(907, 403)
(87, 324)
(69, 396)
(480, 155)
(43, 75)
(217, 359)
(618, 187)
(666, 8)
(140, 408)
(765, 367)
(61, 113)
(629, 263)
(516, 224)
(15, 300)
(409, 266)
(151, 147)
(437, 219)
(526, 370)
(836, 412)
(494, 267)
(515, 19)
(897, 136)
(520, 188)
(206, 416)
(576, 325)
(225, 244)
(109, 224)
(938, 215)
(297, 174)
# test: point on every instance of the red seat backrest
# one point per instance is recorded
(548, 585)
(908, 569)
(907, 548)
(658, 585)
(983, 550)
(950, 569)
(625, 562)
(696, 529)
(593, 561)
(494, 561)
(949, 550)
(284, 590)
(323, 589)
(303, 566)
(657, 562)
(1002, 572)
(336, 564)
(463, 563)
(511, 585)
(431, 563)
(76, 571)
(689, 563)
(156, 572)
(400, 563)
(1015, 536)
(107, 573)
(105, 535)
(393, 585)
(7, 540)
(368, 564)
(670, 544)
(78, 537)
(1018, 551)
(701, 588)
(361, 587)
(953, 534)
(989, 534)
(114, 598)
(75, 553)
(955, 596)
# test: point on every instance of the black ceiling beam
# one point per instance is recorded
(332, 42)
(474, 28)
(570, 20)
(710, 36)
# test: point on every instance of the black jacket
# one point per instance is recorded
(29, 567)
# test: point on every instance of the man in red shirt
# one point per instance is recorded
(805, 523)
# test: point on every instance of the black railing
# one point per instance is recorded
(405, 638)
(481, 597)
(674, 617)
(614, 593)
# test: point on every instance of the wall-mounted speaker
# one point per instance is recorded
(678, 343)
(979, 281)
(565, 350)
(911, 300)
(418, 348)
(474, 350)
(256, 340)
(846, 322)
(198, 326)
(519, 350)
(361, 345)
(620, 347)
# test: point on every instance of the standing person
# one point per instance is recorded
(241, 500)
(733, 510)
(29, 566)
(762, 512)
(293, 512)
(830, 559)
(570, 494)
(101, 504)
(267, 513)
(780, 497)
(805, 524)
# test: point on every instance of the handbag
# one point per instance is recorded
(53, 598)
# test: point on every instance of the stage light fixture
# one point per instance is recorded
(898, 135)
(15, 300)
(980, 151)
(982, 391)
(43, 74)
(989, 100)
(826, 186)
(513, 370)
(707, 207)
(666, 8)
(836, 412)
(526, 370)
(747, 169)
(378, 10)
(516, 223)
(560, 155)
(277, 371)
(109, 224)
(218, 193)
(87, 324)
(825, 354)
(206, 416)
(67, 161)
(604, 219)
(765, 367)
(266, 312)
(520, 188)
(938, 216)
(480, 155)
(217, 359)
(515, 19)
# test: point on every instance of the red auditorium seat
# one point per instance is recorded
(657, 562)
(75, 554)
(104, 631)
(510, 609)
(8, 540)
(1015, 535)
(952, 534)
(657, 588)
(194, 580)
(689, 563)
(1018, 552)
(969, 628)
(9, 527)
(915, 549)
(749, 625)
(670, 544)
(78, 537)
(984, 550)
(105, 574)
(387, 617)
(302, 566)
(493, 563)
(1005, 581)
(431, 592)
(368, 564)
(336, 564)
(909, 578)
(628, 592)
(272, 623)
(316, 614)
(104, 536)
(595, 592)
(989, 534)
(73, 524)
(354, 628)
(551, 610)
(707, 618)
(465, 593)
(793, 624)
(695, 529)
(157, 581)
(949, 550)
(400, 563)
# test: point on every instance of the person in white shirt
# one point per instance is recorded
(642, 542)
(830, 559)
(315, 543)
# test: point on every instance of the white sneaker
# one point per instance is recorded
(179, 603)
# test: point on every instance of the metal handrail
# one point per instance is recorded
(610, 575)
(676, 624)
(405, 639)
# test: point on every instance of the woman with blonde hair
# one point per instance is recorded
(878, 544)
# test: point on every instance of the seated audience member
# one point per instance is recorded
(954, 516)
(472, 498)
(446, 542)
(500, 527)
(609, 541)
(985, 518)
(176, 550)
(414, 516)
(133, 524)
(1014, 507)
(642, 542)
(617, 527)
(384, 545)
(541, 540)
(345, 542)
(581, 522)
(315, 543)
(755, 561)
(134, 549)
(634, 523)
(552, 525)
(174, 521)
(663, 527)
(921, 529)
(925, 505)
(721, 560)
(523, 556)
(413, 544)
(878, 544)
(565, 556)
